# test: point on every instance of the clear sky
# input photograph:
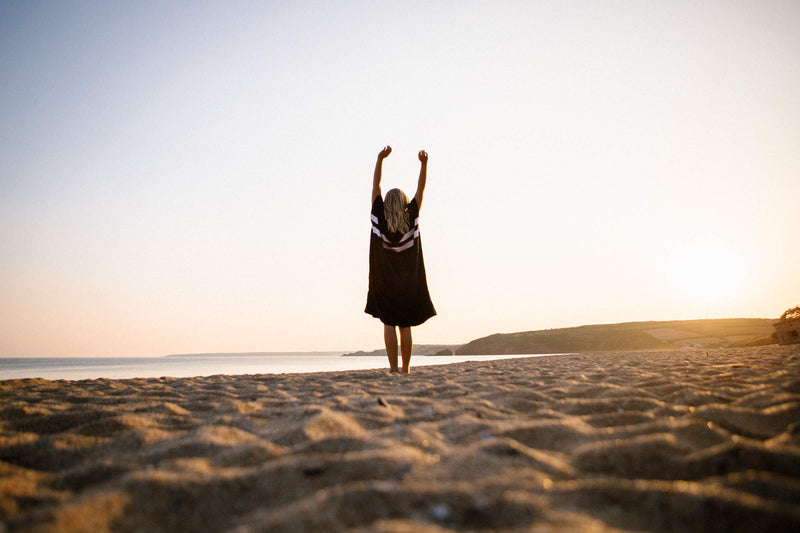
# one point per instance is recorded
(194, 176)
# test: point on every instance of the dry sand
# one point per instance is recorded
(657, 441)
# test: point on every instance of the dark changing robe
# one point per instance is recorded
(398, 289)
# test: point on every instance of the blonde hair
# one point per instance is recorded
(395, 208)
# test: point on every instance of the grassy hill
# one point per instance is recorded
(629, 336)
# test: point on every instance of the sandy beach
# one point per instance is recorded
(693, 440)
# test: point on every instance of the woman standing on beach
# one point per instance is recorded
(398, 289)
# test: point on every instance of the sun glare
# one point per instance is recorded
(708, 273)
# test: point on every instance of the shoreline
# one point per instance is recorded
(610, 441)
(80, 368)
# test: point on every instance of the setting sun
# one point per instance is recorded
(708, 273)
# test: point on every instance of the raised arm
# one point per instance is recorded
(376, 179)
(423, 176)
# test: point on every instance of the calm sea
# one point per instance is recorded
(73, 368)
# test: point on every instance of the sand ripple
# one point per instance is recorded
(655, 441)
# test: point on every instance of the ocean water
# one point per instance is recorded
(74, 368)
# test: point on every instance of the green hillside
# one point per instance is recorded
(628, 336)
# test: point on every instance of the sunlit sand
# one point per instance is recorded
(675, 440)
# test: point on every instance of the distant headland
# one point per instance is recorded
(418, 349)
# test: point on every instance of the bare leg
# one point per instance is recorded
(405, 347)
(390, 340)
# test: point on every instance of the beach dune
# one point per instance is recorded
(684, 440)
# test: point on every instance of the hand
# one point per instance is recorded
(423, 156)
(385, 152)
